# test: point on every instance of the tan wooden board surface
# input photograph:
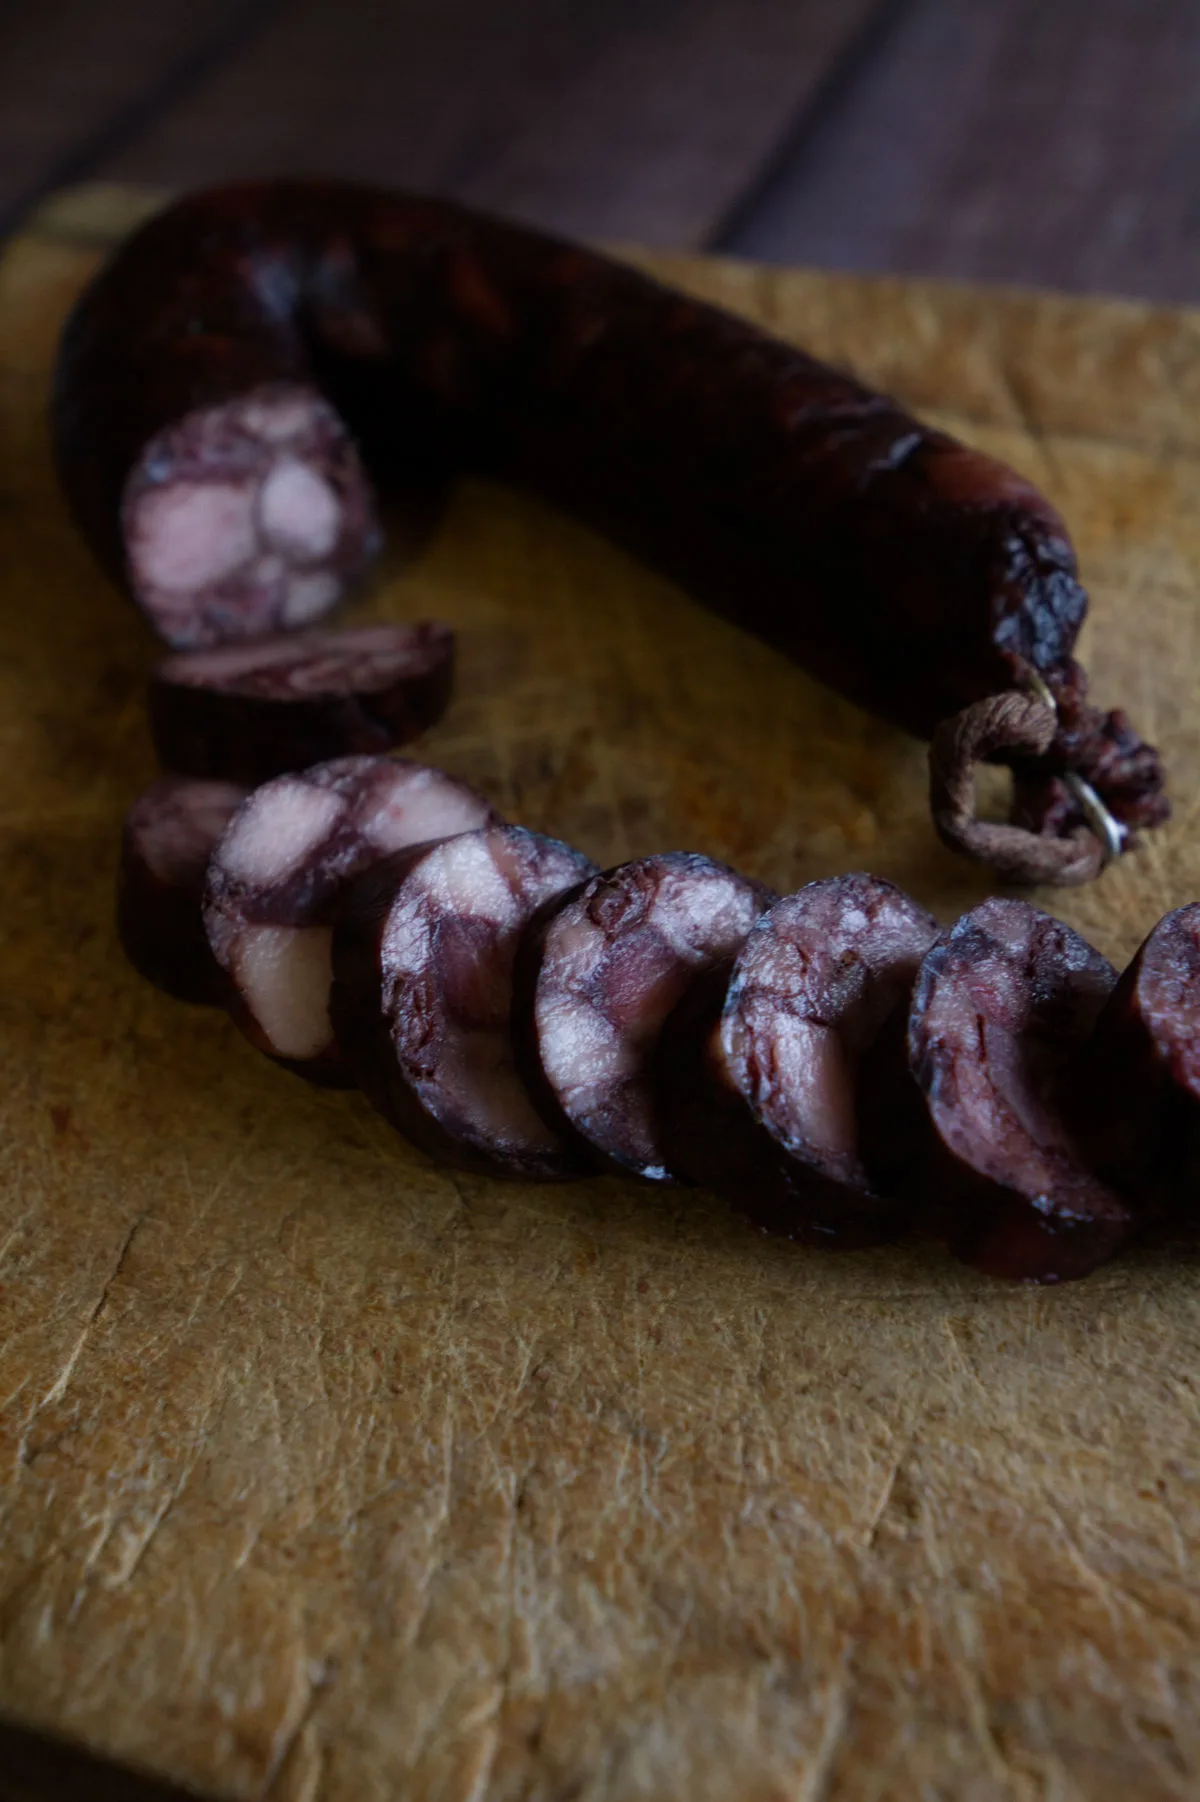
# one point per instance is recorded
(325, 1473)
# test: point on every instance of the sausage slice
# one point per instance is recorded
(169, 835)
(1136, 1094)
(247, 517)
(764, 1065)
(600, 977)
(252, 710)
(422, 996)
(277, 875)
(1003, 1003)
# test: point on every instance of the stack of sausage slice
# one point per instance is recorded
(831, 1063)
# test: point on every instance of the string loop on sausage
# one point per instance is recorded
(1012, 723)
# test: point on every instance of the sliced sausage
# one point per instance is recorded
(422, 996)
(1135, 1094)
(252, 710)
(761, 1065)
(169, 835)
(598, 978)
(1003, 1002)
(277, 875)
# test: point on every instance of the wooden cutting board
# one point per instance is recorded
(329, 1474)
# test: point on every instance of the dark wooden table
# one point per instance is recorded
(1052, 142)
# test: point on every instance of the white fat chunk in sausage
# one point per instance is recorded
(299, 511)
(278, 420)
(283, 974)
(310, 594)
(583, 1050)
(691, 914)
(278, 830)
(423, 807)
(579, 944)
(193, 534)
(466, 881)
(811, 1081)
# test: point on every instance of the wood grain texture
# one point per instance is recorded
(627, 119)
(326, 1473)
(1007, 140)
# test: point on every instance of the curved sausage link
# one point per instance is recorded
(197, 446)
(279, 871)
(251, 710)
(1003, 1003)
(422, 997)
(598, 976)
(783, 1079)
(169, 836)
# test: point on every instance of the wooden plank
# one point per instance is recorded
(325, 1473)
(628, 119)
(75, 76)
(1008, 140)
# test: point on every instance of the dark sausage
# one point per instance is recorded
(275, 879)
(168, 837)
(761, 1066)
(1003, 1002)
(252, 710)
(422, 997)
(198, 450)
(597, 978)
(1135, 1094)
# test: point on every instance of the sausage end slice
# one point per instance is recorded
(247, 517)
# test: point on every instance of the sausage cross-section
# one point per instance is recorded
(169, 835)
(1135, 1097)
(1003, 1004)
(600, 974)
(277, 875)
(762, 1065)
(247, 517)
(210, 379)
(422, 996)
(248, 711)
